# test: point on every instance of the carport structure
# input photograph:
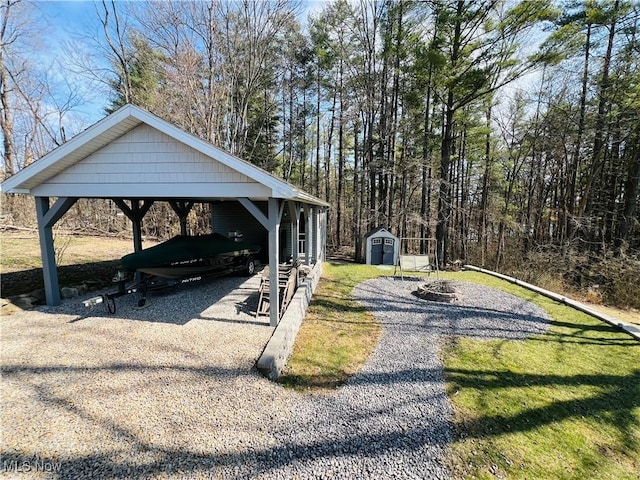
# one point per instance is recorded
(135, 159)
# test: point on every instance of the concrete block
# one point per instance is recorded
(278, 350)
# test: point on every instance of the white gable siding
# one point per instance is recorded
(151, 161)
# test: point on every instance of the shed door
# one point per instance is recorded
(387, 251)
(376, 251)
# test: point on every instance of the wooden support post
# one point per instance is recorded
(294, 211)
(274, 289)
(308, 235)
(315, 233)
(47, 217)
(182, 209)
(137, 226)
(323, 234)
(135, 213)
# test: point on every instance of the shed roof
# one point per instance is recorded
(132, 153)
(380, 230)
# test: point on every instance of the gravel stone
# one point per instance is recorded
(171, 391)
(393, 419)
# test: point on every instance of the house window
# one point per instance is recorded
(388, 241)
(376, 241)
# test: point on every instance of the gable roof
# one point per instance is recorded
(123, 122)
(381, 230)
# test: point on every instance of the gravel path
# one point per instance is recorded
(392, 420)
(170, 391)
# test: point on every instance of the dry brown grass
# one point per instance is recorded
(79, 258)
(20, 250)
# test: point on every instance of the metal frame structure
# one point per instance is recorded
(417, 260)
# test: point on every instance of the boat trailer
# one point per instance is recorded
(150, 283)
(179, 260)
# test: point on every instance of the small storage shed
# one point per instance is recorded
(382, 247)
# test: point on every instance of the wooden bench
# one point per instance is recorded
(287, 284)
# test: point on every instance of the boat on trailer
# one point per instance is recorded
(182, 259)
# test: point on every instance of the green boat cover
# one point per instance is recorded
(182, 248)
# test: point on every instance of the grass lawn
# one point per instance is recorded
(337, 334)
(629, 316)
(561, 405)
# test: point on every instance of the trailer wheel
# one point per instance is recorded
(250, 267)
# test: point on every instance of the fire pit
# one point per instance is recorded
(437, 291)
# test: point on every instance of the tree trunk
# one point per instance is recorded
(631, 191)
(6, 120)
(327, 160)
(444, 199)
(484, 197)
(425, 193)
(340, 178)
(575, 162)
(357, 207)
(317, 182)
(598, 142)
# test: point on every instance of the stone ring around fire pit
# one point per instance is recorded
(437, 291)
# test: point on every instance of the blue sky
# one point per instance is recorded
(66, 20)
(67, 14)
(63, 22)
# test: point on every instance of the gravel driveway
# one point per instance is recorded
(170, 391)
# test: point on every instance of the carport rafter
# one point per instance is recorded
(255, 211)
